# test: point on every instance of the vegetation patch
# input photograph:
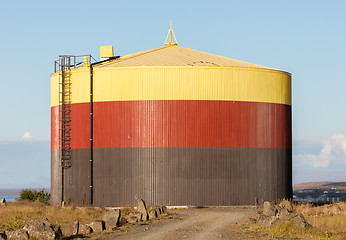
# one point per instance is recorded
(16, 214)
(34, 195)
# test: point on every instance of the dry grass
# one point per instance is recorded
(15, 215)
(328, 222)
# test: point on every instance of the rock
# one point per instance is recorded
(283, 214)
(142, 209)
(300, 221)
(286, 205)
(111, 218)
(40, 229)
(97, 226)
(269, 209)
(122, 221)
(266, 221)
(158, 212)
(334, 209)
(277, 209)
(3, 202)
(152, 214)
(133, 218)
(58, 232)
(20, 234)
(3, 235)
(71, 229)
(164, 209)
(84, 229)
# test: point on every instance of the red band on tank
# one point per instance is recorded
(80, 126)
(181, 123)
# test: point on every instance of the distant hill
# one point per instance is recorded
(9, 192)
(16, 191)
(321, 185)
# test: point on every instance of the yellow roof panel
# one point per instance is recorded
(173, 55)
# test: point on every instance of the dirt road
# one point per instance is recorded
(205, 223)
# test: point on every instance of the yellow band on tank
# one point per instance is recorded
(178, 83)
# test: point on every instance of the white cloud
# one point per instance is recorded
(27, 136)
(333, 152)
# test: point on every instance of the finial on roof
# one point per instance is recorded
(170, 37)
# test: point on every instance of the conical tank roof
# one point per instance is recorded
(174, 55)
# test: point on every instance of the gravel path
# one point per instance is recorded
(205, 223)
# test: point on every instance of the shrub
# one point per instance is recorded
(34, 195)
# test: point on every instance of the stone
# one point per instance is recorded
(84, 229)
(3, 235)
(158, 211)
(300, 221)
(266, 221)
(142, 209)
(58, 232)
(97, 226)
(283, 214)
(133, 218)
(152, 214)
(71, 229)
(111, 218)
(164, 209)
(269, 209)
(40, 229)
(122, 221)
(20, 234)
(334, 209)
(286, 205)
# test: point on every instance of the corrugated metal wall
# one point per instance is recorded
(180, 136)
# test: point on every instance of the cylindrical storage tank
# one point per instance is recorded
(176, 126)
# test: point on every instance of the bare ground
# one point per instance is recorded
(196, 223)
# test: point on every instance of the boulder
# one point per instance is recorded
(286, 205)
(266, 221)
(122, 221)
(71, 229)
(41, 229)
(58, 232)
(142, 209)
(133, 218)
(84, 229)
(20, 234)
(164, 209)
(111, 218)
(158, 211)
(3, 202)
(269, 209)
(152, 214)
(283, 214)
(3, 235)
(97, 226)
(334, 209)
(300, 221)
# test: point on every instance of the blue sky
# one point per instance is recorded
(306, 38)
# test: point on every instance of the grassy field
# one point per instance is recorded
(16, 214)
(327, 223)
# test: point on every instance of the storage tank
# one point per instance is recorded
(171, 125)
